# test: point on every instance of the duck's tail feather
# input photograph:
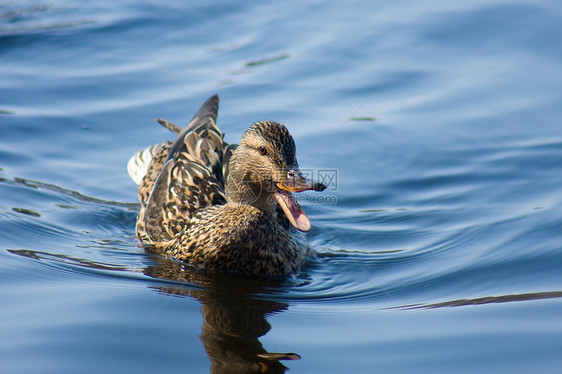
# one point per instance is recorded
(169, 125)
(138, 164)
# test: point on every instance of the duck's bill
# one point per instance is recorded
(292, 209)
(300, 184)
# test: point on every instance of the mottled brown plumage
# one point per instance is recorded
(224, 207)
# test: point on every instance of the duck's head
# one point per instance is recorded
(264, 170)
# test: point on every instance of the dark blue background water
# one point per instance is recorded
(440, 245)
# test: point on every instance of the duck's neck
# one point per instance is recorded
(250, 194)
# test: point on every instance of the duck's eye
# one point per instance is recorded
(263, 151)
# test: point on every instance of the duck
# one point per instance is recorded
(224, 207)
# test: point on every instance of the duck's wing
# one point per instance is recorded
(201, 139)
(181, 188)
(226, 155)
(189, 176)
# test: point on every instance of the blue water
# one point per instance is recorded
(440, 236)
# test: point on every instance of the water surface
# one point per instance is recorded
(438, 240)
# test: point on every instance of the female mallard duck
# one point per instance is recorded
(223, 207)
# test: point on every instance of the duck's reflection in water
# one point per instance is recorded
(233, 320)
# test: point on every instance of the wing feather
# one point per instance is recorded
(182, 188)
